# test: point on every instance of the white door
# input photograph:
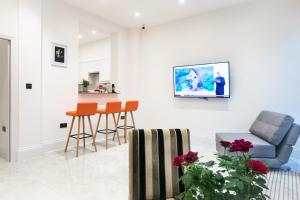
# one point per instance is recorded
(4, 99)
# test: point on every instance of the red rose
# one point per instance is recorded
(185, 159)
(258, 167)
(179, 160)
(191, 157)
(241, 146)
(225, 144)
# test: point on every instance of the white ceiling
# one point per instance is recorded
(85, 30)
(153, 12)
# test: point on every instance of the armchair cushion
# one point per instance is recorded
(292, 136)
(271, 126)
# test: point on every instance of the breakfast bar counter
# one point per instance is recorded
(94, 96)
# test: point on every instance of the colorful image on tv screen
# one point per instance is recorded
(209, 80)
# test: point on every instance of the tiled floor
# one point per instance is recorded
(60, 176)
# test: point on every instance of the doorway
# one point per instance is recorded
(5, 60)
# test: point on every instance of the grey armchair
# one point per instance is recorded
(273, 136)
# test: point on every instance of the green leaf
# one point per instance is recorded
(210, 163)
(188, 196)
(240, 185)
(187, 180)
(219, 177)
(260, 180)
(226, 158)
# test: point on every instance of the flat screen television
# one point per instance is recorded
(202, 80)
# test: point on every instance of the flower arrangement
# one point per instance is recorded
(232, 177)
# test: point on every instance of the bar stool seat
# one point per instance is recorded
(72, 113)
(83, 109)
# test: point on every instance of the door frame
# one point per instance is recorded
(13, 97)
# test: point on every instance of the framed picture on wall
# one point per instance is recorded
(59, 55)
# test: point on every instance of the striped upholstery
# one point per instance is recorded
(151, 153)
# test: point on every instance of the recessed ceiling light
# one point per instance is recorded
(181, 1)
(94, 32)
(137, 14)
(79, 36)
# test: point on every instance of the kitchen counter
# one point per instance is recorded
(95, 92)
(101, 98)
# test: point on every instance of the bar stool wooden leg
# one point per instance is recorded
(83, 127)
(91, 128)
(125, 127)
(116, 127)
(70, 131)
(96, 132)
(106, 131)
(119, 114)
(78, 133)
(132, 119)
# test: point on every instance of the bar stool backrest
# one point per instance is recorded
(113, 107)
(87, 108)
(131, 105)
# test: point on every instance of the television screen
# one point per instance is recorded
(203, 80)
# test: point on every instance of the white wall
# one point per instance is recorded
(30, 65)
(59, 85)
(261, 39)
(9, 17)
(133, 73)
(95, 57)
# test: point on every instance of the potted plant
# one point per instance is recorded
(234, 177)
(85, 84)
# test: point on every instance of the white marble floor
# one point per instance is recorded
(60, 176)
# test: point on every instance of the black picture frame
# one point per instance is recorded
(59, 55)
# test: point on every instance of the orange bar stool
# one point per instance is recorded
(130, 107)
(83, 110)
(111, 108)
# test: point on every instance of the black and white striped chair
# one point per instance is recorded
(151, 171)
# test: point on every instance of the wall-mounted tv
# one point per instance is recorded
(202, 80)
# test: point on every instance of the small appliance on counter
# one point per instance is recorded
(106, 87)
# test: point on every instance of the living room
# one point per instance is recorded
(259, 39)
